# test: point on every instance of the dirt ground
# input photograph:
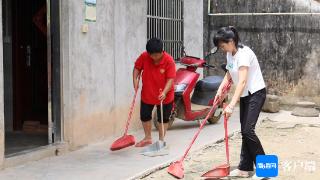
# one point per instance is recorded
(297, 148)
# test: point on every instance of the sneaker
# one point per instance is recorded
(239, 173)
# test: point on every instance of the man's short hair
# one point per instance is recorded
(154, 45)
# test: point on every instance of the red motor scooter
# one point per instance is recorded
(204, 90)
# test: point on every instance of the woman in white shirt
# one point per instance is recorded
(244, 70)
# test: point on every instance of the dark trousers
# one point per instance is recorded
(250, 107)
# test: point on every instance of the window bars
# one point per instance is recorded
(165, 21)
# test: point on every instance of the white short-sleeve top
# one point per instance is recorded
(246, 57)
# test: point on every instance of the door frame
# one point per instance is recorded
(53, 25)
(54, 69)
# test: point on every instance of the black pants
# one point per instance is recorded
(250, 107)
(146, 112)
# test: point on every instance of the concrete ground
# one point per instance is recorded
(97, 162)
(20, 141)
(295, 140)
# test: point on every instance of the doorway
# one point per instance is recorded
(28, 86)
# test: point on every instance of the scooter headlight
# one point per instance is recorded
(180, 87)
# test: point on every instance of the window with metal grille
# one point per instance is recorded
(165, 21)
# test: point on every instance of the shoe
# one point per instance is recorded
(143, 143)
(239, 173)
(158, 148)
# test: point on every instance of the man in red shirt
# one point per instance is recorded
(158, 71)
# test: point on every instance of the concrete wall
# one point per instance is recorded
(193, 27)
(287, 46)
(97, 67)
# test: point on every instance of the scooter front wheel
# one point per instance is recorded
(218, 113)
(216, 116)
(155, 119)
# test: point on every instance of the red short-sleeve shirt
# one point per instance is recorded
(155, 77)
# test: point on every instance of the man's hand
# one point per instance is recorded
(136, 85)
(162, 96)
(136, 77)
(163, 93)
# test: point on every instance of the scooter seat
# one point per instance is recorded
(206, 89)
(209, 83)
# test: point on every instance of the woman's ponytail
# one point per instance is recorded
(236, 37)
(226, 34)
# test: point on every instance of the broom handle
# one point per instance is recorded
(131, 109)
(161, 106)
(225, 89)
(161, 112)
(226, 137)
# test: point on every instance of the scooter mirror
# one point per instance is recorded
(214, 50)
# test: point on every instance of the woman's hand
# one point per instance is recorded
(228, 110)
(218, 94)
(225, 80)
